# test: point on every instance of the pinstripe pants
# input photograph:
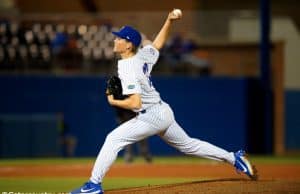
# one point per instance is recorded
(157, 120)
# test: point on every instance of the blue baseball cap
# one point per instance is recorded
(130, 34)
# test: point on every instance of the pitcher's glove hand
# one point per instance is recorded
(114, 87)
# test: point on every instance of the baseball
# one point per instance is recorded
(177, 12)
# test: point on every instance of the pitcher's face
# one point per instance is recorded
(121, 45)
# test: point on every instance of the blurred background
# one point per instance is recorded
(230, 70)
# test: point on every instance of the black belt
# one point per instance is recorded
(145, 110)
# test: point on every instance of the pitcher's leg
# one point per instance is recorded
(105, 158)
(127, 133)
(177, 137)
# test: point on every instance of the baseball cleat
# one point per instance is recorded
(89, 188)
(242, 164)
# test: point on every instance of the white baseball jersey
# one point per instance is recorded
(135, 73)
(157, 118)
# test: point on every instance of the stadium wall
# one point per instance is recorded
(218, 110)
(292, 124)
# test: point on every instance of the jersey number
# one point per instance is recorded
(146, 72)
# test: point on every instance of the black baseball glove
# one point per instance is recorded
(114, 87)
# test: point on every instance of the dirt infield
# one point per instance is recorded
(219, 177)
(219, 186)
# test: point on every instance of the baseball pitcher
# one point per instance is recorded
(154, 115)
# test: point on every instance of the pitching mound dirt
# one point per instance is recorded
(223, 186)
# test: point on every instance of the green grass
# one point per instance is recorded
(67, 184)
(157, 160)
(44, 161)
(59, 184)
(268, 159)
(38, 184)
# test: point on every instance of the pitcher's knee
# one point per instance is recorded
(111, 140)
(110, 137)
(189, 146)
(115, 142)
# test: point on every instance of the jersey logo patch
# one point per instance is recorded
(152, 51)
(131, 87)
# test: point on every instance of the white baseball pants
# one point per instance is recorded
(157, 120)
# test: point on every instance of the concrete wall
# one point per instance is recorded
(283, 29)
